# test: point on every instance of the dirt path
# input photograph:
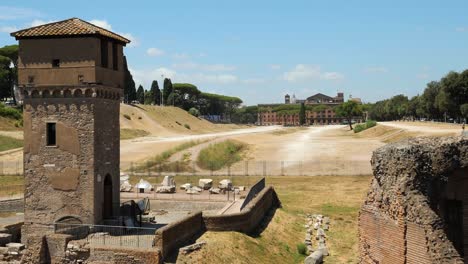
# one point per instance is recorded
(138, 149)
(325, 150)
(427, 128)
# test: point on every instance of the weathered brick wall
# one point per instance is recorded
(401, 220)
(247, 220)
(382, 239)
(179, 233)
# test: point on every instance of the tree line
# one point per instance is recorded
(442, 100)
(184, 95)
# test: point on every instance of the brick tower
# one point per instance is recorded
(71, 75)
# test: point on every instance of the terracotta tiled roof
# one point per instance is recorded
(68, 27)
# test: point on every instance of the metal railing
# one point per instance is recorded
(104, 235)
(256, 168)
(243, 168)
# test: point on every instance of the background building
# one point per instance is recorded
(320, 110)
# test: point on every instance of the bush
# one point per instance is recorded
(301, 249)
(359, 128)
(362, 127)
(187, 126)
(219, 155)
(371, 123)
(127, 117)
(193, 111)
(10, 112)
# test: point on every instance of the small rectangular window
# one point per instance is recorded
(115, 56)
(104, 54)
(51, 134)
(31, 79)
(55, 63)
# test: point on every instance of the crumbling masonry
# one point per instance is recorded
(416, 210)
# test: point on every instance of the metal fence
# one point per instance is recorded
(104, 235)
(245, 168)
(256, 168)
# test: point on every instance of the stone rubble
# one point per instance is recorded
(193, 247)
(320, 224)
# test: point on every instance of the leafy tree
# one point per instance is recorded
(141, 94)
(149, 98)
(186, 95)
(155, 93)
(464, 111)
(8, 76)
(129, 84)
(349, 110)
(302, 115)
(167, 90)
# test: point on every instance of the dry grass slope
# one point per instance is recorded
(166, 121)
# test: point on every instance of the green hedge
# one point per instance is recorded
(361, 127)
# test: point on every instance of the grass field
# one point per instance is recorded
(219, 155)
(11, 185)
(338, 197)
(7, 143)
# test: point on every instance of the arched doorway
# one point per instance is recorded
(107, 203)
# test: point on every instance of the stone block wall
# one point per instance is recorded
(179, 233)
(403, 217)
(52, 173)
(247, 220)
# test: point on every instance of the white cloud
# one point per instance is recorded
(254, 81)
(376, 69)
(38, 22)
(213, 78)
(134, 42)
(101, 23)
(154, 52)
(15, 13)
(8, 29)
(189, 65)
(145, 77)
(461, 29)
(332, 76)
(275, 66)
(302, 72)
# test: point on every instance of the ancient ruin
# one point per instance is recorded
(71, 76)
(416, 208)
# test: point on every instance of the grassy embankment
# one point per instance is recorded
(127, 133)
(161, 161)
(10, 120)
(11, 185)
(219, 155)
(7, 143)
(338, 197)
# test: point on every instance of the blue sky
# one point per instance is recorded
(261, 50)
